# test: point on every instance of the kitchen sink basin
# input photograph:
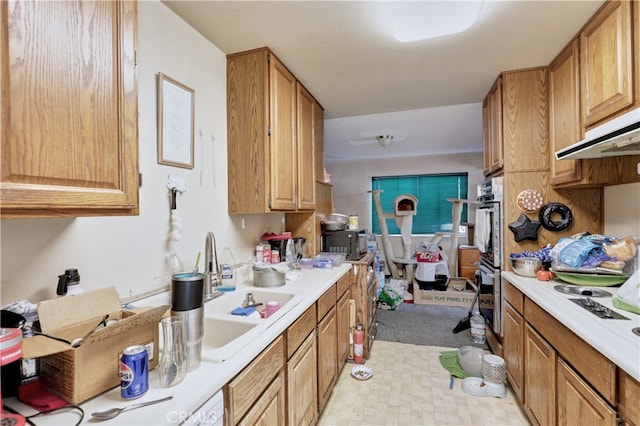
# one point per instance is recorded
(219, 332)
(232, 300)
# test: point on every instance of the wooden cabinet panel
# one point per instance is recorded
(591, 364)
(492, 129)
(578, 404)
(513, 349)
(247, 386)
(282, 146)
(525, 122)
(629, 391)
(269, 408)
(344, 331)
(539, 378)
(69, 108)
(306, 184)
(302, 399)
(326, 302)
(514, 297)
(606, 50)
(364, 293)
(300, 329)
(318, 141)
(327, 357)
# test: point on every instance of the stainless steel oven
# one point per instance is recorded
(489, 240)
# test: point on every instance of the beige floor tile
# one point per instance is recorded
(410, 387)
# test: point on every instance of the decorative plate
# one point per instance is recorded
(529, 200)
(361, 372)
(591, 279)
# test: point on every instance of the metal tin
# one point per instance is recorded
(353, 222)
(134, 372)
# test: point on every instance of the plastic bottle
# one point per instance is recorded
(227, 263)
(358, 345)
(478, 330)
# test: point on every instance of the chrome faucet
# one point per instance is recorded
(212, 278)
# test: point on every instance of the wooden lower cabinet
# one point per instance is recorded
(628, 406)
(578, 404)
(327, 357)
(539, 378)
(513, 349)
(269, 408)
(302, 384)
(254, 391)
(344, 334)
(364, 291)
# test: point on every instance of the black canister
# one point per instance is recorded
(186, 291)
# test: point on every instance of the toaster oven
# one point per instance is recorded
(350, 243)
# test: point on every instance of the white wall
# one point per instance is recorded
(352, 180)
(131, 252)
(622, 210)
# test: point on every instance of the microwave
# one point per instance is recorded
(350, 243)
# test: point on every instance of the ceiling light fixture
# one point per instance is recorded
(410, 21)
(384, 140)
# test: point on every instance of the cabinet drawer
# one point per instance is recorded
(468, 256)
(342, 285)
(588, 362)
(247, 386)
(514, 297)
(300, 329)
(326, 302)
(468, 272)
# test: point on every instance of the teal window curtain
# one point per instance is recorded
(434, 211)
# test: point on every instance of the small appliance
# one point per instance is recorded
(187, 303)
(350, 243)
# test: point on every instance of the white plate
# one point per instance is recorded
(361, 372)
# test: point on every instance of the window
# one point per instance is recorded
(434, 211)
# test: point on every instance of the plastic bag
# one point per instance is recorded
(574, 252)
(627, 297)
(392, 295)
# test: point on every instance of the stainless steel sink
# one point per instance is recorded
(581, 290)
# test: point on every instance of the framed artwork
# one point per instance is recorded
(175, 123)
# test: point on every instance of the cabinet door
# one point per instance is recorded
(578, 404)
(306, 154)
(282, 142)
(513, 349)
(540, 378)
(69, 108)
(606, 50)
(344, 333)
(269, 408)
(492, 129)
(564, 113)
(302, 382)
(327, 357)
(318, 141)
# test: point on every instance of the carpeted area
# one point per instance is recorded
(429, 325)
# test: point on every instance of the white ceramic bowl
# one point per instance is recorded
(470, 359)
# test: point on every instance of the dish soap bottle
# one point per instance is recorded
(227, 264)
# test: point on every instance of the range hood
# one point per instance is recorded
(617, 137)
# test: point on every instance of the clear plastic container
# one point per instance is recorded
(478, 328)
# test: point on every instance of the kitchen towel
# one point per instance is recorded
(244, 311)
(482, 230)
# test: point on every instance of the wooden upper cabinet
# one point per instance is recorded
(69, 108)
(515, 122)
(318, 141)
(565, 127)
(606, 50)
(305, 148)
(270, 136)
(492, 129)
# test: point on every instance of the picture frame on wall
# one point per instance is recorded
(175, 123)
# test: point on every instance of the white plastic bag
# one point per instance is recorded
(627, 297)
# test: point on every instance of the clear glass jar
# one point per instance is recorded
(173, 360)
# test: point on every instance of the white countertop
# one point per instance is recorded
(200, 384)
(613, 338)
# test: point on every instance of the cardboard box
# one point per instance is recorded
(451, 297)
(77, 374)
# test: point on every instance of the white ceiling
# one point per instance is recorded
(427, 94)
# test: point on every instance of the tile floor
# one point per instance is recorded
(410, 387)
